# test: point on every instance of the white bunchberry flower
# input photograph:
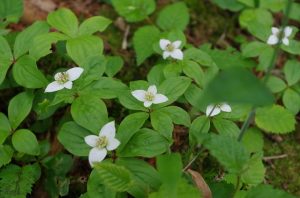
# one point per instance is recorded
(150, 96)
(274, 37)
(171, 49)
(106, 141)
(64, 79)
(213, 110)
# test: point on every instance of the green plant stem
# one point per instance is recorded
(270, 68)
(237, 185)
(200, 149)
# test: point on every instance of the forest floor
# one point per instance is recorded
(208, 24)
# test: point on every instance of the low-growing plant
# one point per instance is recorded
(70, 109)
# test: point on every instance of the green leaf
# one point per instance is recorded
(96, 188)
(253, 140)
(130, 102)
(145, 143)
(105, 88)
(6, 58)
(94, 67)
(60, 163)
(238, 86)
(228, 151)
(295, 11)
(178, 115)
(145, 177)
(134, 10)
(193, 95)
(17, 181)
(162, 123)
(273, 5)
(143, 40)
(169, 167)
(173, 88)
(229, 58)
(89, 112)
(155, 75)
(113, 65)
(183, 189)
(170, 19)
(6, 153)
(24, 141)
(255, 172)
(257, 21)
(292, 71)
(172, 69)
(83, 47)
(42, 44)
(129, 126)
(24, 40)
(170, 170)
(291, 100)
(265, 190)
(93, 24)
(11, 10)
(195, 135)
(19, 107)
(194, 71)
(115, 177)
(292, 48)
(253, 49)
(65, 21)
(5, 128)
(275, 84)
(265, 59)
(226, 127)
(199, 56)
(5, 65)
(221, 189)
(231, 5)
(71, 136)
(275, 119)
(27, 74)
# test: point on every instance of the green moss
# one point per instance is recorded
(284, 173)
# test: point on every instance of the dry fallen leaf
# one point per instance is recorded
(200, 183)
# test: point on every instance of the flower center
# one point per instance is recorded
(149, 96)
(63, 77)
(170, 47)
(102, 142)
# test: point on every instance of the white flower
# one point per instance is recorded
(171, 49)
(274, 37)
(216, 109)
(150, 96)
(106, 141)
(64, 79)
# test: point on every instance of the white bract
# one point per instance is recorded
(64, 79)
(213, 110)
(274, 37)
(150, 96)
(171, 49)
(106, 141)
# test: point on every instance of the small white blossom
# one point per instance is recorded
(213, 110)
(171, 49)
(274, 37)
(150, 96)
(64, 79)
(106, 141)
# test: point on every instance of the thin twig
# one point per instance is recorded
(126, 33)
(275, 157)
